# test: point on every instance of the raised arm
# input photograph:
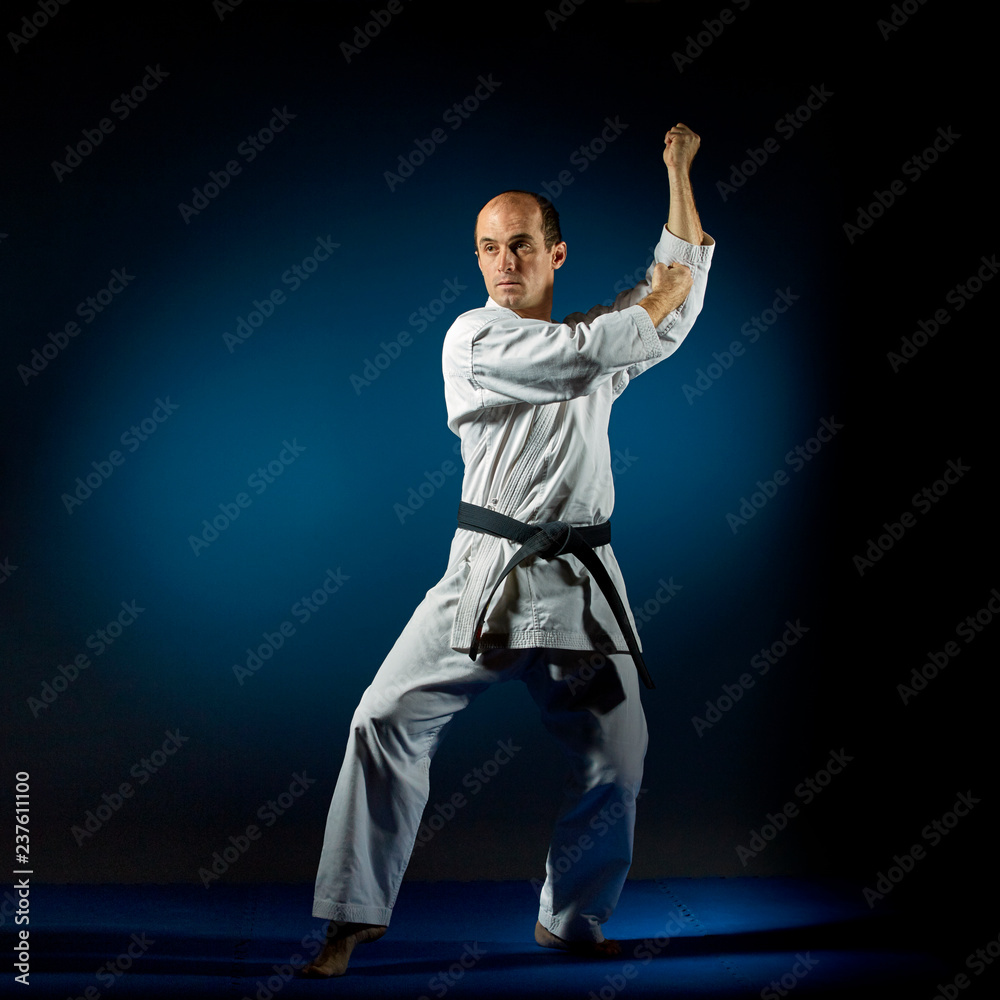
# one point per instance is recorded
(680, 146)
(670, 284)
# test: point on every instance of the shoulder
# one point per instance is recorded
(470, 326)
(464, 331)
(474, 319)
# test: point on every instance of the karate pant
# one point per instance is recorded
(589, 701)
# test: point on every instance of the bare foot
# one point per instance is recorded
(589, 949)
(336, 953)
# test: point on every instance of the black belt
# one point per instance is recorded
(551, 539)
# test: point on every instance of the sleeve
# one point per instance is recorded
(505, 359)
(677, 324)
(502, 358)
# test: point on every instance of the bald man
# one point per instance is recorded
(532, 591)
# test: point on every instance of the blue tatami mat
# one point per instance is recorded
(680, 938)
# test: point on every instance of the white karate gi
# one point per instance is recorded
(530, 401)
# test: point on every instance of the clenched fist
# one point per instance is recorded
(670, 284)
(675, 279)
(681, 144)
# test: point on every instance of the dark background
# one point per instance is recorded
(686, 461)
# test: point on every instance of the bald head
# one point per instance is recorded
(518, 254)
(547, 217)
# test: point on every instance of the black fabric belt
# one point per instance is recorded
(548, 540)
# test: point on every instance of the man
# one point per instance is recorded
(530, 400)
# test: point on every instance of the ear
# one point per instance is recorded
(558, 255)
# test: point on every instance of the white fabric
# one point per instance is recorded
(531, 402)
(589, 702)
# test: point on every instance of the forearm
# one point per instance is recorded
(660, 304)
(679, 274)
(683, 220)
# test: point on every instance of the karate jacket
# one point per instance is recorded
(530, 401)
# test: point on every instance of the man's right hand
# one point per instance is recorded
(670, 286)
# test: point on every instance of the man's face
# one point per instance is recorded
(519, 272)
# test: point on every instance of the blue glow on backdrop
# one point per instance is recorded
(277, 347)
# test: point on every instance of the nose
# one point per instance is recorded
(505, 259)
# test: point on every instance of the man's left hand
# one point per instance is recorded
(681, 144)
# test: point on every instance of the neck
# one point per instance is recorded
(542, 311)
